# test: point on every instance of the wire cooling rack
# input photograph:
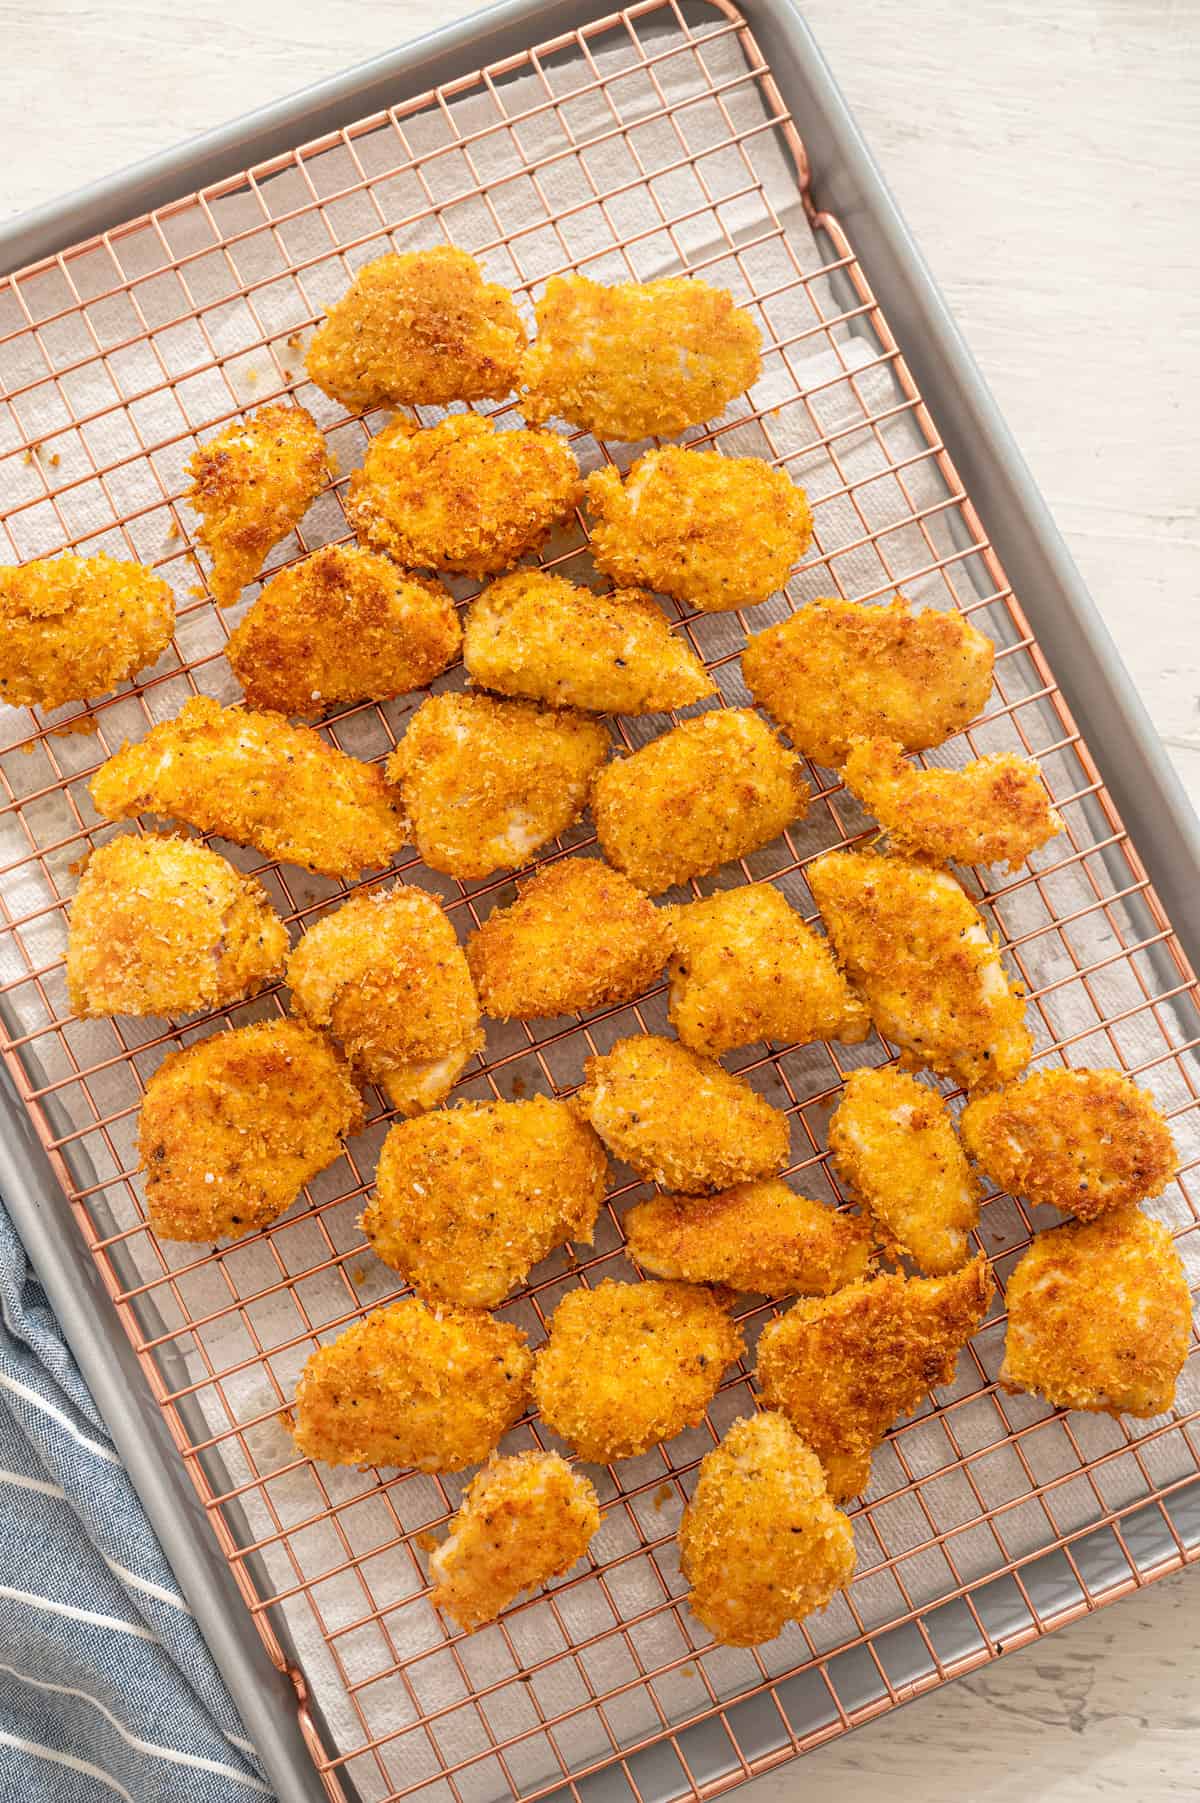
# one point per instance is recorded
(651, 141)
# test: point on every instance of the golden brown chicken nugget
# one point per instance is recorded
(995, 811)
(755, 1236)
(251, 485)
(71, 627)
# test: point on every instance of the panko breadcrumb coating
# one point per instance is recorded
(344, 625)
(717, 787)
(629, 1364)
(995, 811)
(386, 975)
(719, 532)
(746, 968)
(637, 359)
(487, 783)
(913, 944)
(165, 926)
(893, 1145)
(578, 936)
(524, 1520)
(234, 1126)
(460, 495)
(251, 485)
(469, 1199)
(836, 671)
(259, 781)
(423, 328)
(1084, 1141)
(678, 1119)
(756, 1236)
(411, 1385)
(539, 635)
(760, 1542)
(842, 1368)
(71, 627)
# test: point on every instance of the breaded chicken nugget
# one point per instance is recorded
(914, 945)
(423, 328)
(257, 780)
(387, 976)
(251, 485)
(538, 635)
(629, 1364)
(638, 359)
(756, 1236)
(842, 1368)
(524, 1520)
(717, 787)
(995, 811)
(746, 967)
(233, 1127)
(460, 495)
(487, 783)
(680, 1120)
(411, 1385)
(720, 532)
(760, 1542)
(344, 625)
(71, 627)
(894, 1146)
(1084, 1141)
(165, 926)
(468, 1200)
(578, 936)
(836, 671)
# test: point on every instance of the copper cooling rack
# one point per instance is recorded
(651, 141)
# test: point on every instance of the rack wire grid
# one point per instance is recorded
(651, 141)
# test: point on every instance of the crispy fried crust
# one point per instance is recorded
(250, 485)
(71, 627)
(836, 671)
(756, 1236)
(995, 811)
(760, 1542)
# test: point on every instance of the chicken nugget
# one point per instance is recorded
(259, 781)
(637, 359)
(250, 486)
(914, 945)
(165, 926)
(756, 1236)
(842, 1368)
(422, 328)
(760, 1542)
(71, 627)
(717, 787)
(995, 811)
(411, 1385)
(460, 495)
(234, 1126)
(836, 671)
(629, 1364)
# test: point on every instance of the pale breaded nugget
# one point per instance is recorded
(995, 811)
(524, 1520)
(760, 1542)
(836, 671)
(720, 532)
(487, 783)
(386, 975)
(469, 1199)
(842, 1368)
(165, 926)
(1084, 1141)
(259, 781)
(233, 1127)
(678, 1119)
(71, 627)
(894, 1146)
(746, 967)
(914, 945)
(422, 328)
(637, 359)
(460, 495)
(717, 787)
(411, 1385)
(344, 625)
(629, 1364)
(756, 1236)
(578, 936)
(539, 635)
(251, 485)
